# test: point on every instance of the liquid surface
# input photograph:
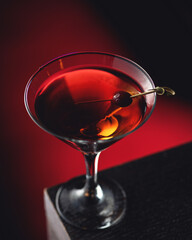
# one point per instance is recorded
(62, 104)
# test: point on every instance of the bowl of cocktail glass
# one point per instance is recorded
(86, 99)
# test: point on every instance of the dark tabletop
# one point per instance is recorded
(159, 198)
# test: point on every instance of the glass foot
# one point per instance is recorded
(91, 212)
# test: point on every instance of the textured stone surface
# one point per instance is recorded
(159, 200)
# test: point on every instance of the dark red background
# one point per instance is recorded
(31, 160)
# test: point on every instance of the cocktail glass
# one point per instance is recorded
(75, 98)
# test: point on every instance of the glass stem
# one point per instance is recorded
(91, 188)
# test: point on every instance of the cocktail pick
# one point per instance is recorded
(124, 99)
(159, 90)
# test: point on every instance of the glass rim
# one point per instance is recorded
(76, 140)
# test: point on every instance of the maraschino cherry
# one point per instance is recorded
(122, 99)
